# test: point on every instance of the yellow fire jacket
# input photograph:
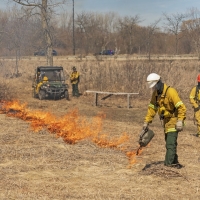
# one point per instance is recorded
(74, 77)
(45, 80)
(170, 107)
(193, 101)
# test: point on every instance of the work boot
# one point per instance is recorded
(198, 134)
(177, 166)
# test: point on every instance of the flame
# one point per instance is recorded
(132, 155)
(71, 127)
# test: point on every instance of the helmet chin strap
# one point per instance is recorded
(159, 87)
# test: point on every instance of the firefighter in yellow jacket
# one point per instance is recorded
(195, 101)
(74, 78)
(44, 80)
(172, 112)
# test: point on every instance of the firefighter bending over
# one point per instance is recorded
(172, 112)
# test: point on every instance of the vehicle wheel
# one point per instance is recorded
(67, 95)
(41, 94)
(34, 94)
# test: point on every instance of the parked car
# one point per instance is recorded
(39, 53)
(43, 53)
(107, 52)
(54, 52)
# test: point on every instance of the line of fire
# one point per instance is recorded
(71, 127)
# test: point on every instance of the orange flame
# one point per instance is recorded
(70, 127)
(132, 155)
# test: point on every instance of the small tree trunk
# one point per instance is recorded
(47, 34)
(16, 63)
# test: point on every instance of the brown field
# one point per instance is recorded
(39, 162)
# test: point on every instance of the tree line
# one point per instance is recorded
(25, 28)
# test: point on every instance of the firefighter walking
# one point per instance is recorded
(172, 112)
(195, 101)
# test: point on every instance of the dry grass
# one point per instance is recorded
(116, 76)
(40, 166)
(5, 90)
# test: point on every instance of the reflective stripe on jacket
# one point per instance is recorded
(172, 105)
(74, 77)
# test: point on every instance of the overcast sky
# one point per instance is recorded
(148, 10)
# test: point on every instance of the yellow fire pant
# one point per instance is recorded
(38, 87)
(197, 118)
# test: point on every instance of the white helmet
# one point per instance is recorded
(152, 79)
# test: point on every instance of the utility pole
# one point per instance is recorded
(73, 31)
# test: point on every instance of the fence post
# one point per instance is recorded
(128, 101)
(95, 98)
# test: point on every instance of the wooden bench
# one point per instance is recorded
(110, 94)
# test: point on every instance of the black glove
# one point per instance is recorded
(196, 109)
(145, 125)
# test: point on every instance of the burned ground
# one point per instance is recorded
(38, 165)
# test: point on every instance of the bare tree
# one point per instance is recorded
(3, 22)
(46, 9)
(38, 27)
(96, 30)
(150, 30)
(14, 31)
(192, 27)
(173, 26)
(127, 28)
(63, 32)
(107, 29)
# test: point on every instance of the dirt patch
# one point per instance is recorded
(158, 169)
